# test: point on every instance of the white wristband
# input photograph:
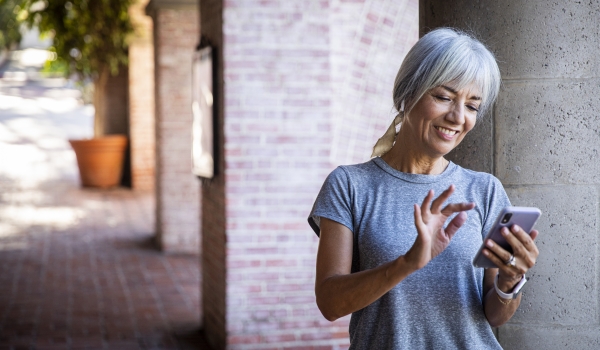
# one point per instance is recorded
(515, 292)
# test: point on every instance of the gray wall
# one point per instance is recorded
(542, 142)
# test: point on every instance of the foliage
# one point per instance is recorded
(90, 36)
(55, 67)
(11, 16)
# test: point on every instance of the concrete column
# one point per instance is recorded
(542, 142)
(176, 27)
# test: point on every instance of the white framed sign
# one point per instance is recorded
(203, 100)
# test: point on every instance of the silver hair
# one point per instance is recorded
(445, 56)
(442, 56)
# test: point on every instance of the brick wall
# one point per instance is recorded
(368, 42)
(177, 190)
(141, 99)
(277, 139)
(283, 67)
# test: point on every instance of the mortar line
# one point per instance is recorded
(15, 284)
(553, 79)
(41, 287)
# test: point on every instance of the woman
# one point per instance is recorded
(404, 270)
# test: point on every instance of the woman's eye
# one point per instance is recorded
(473, 108)
(442, 98)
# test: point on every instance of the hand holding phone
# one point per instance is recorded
(525, 217)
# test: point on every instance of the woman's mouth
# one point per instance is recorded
(445, 131)
(447, 134)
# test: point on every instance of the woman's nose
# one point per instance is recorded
(457, 114)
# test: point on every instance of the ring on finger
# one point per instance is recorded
(511, 261)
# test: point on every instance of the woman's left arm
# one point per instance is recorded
(498, 310)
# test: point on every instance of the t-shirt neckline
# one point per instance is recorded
(416, 178)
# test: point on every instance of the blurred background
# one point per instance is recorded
(163, 259)
(128, 249)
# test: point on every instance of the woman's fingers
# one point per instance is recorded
(533, 234)
(435, 207)
(437, 203)
(457, 207)
(522, 237)
(418, 219)
(499, 256)
(524, 250)
(522, 245)
(456, 223)
(499, 252)
(498, 261)
(426, 202)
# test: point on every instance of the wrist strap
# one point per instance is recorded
(516, 288)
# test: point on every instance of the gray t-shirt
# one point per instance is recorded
(439, 306)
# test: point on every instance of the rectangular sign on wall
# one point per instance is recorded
(203, 155)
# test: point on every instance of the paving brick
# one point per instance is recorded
(78, 267)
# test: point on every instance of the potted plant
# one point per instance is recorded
(90, 41)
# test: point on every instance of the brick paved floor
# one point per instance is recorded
(78, 269)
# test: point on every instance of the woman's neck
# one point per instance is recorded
(403, 159)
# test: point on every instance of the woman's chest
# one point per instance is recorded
(386, 230)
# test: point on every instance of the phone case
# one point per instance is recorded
(525, 217)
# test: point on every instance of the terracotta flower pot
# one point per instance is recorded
(100, 160)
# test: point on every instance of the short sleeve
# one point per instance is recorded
(334, 201)
(497, 200)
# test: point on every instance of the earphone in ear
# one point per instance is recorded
(402, 106)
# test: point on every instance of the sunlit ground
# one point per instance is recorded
(37, 118)
(78, 268)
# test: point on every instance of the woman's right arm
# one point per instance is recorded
(340, 292)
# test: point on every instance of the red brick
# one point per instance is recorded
(281, 262)
(244, 339)
(279, 338)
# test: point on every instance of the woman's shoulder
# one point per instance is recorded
(355, 171)
(475, 175)
(479, 178)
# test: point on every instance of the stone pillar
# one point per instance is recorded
(141, 99)
(176, 28)
(542, 142)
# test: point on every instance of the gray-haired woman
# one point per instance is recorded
(396, 266)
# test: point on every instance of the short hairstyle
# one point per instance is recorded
(442, 56)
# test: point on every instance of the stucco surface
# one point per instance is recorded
(544, 138)
(531, 39)
(556, 337)
(548, 131)
(563, 287)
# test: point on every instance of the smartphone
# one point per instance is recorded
(525, 217)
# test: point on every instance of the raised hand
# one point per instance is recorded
(432, 237)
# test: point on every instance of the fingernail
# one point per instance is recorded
(486, 253)
(489, 243)
(504, 231)
(515, 228)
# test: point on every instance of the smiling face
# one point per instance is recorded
(439, 121)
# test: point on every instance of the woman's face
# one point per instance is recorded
(442, 117)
